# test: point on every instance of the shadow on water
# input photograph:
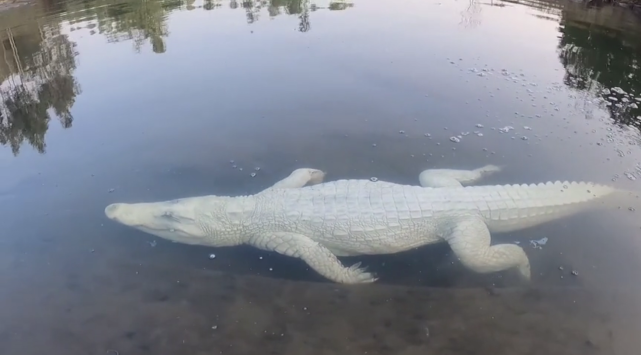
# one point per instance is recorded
(254, 81)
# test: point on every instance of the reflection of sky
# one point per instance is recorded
(353, 73)
(267, 93)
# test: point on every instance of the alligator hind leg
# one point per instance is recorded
(453, 177)
(314, 254)
(470, 240)
(299, 178)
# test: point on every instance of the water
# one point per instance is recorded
(133, 101)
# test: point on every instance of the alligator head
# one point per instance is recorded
(206, 220)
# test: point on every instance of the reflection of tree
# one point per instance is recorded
(471, 16)
(597, 59)
(37, 61)
(37, 77)
(138, 21)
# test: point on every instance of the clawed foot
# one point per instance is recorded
(489, 169)
(357, 275)
(316, 176)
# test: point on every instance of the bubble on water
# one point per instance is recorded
(506, 129)
(257, 168)
(455, 139)
(252, 174)
(478, 125)
(374, 179)
(524, 138)
(427, 135)
(212, 256)
(401, 132)
(465, 133)
(527, 128)
(373, 144)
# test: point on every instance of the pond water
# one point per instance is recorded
(129, 101)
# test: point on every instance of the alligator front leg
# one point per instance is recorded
(299, 178)
(453, 177)
(470, 239)
(314, 254)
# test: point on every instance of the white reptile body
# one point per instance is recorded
(354, 217)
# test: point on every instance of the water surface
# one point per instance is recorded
(107, 101)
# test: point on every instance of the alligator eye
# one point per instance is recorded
(168, 215)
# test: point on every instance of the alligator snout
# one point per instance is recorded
(112, 210)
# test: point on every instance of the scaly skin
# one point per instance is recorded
(356, 217)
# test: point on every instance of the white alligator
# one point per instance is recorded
(301, 216)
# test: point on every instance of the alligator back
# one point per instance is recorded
(346, 206)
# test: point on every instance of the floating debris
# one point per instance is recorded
(506, 129)
(618, 90)
(111, 190)
(401, 132)
(537, 244)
